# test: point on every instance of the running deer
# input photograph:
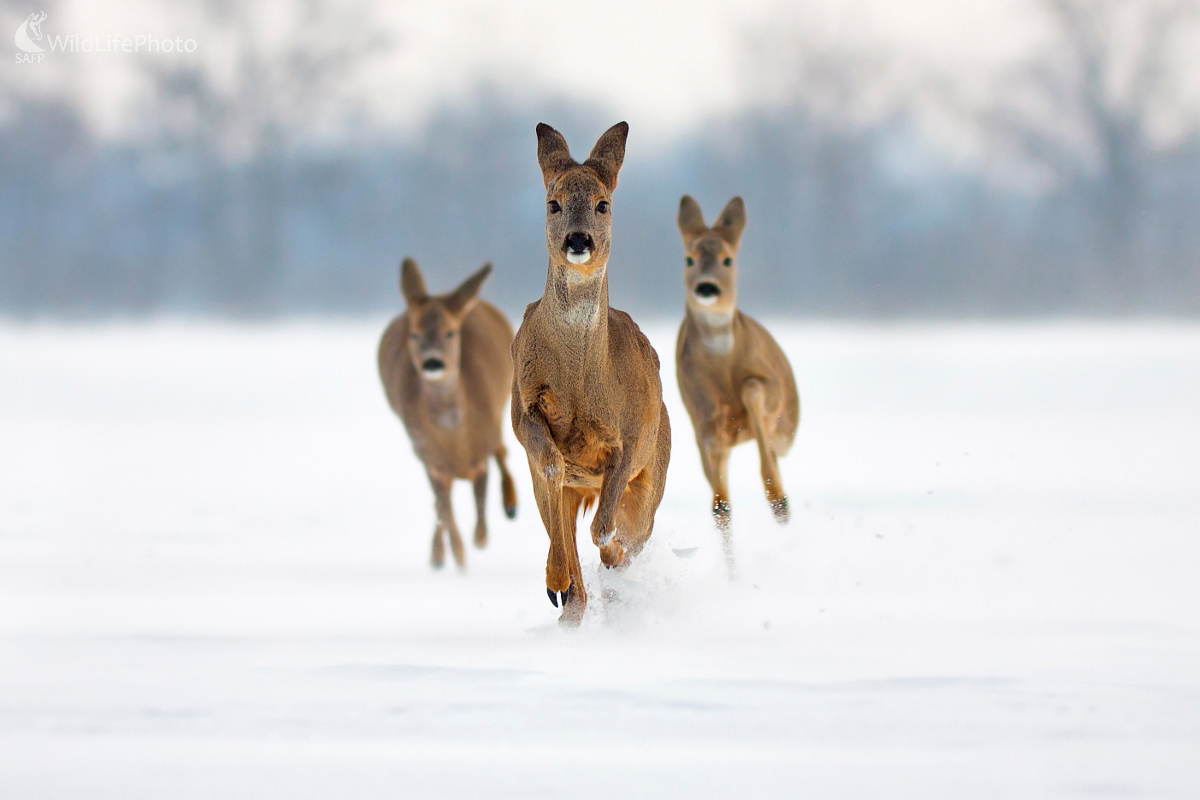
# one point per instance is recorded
(736, 382)
(446, 369)
(587, 399)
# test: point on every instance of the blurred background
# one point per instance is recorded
(214, 539)
(924, 159)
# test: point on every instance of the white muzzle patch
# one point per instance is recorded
(579, 258)
(706, 300)
(433, 369)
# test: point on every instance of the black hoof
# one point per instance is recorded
(553, 597)
(510, 512)
(565, 596)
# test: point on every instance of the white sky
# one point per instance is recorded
(664, 66)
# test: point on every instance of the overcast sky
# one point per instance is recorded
(664, 65)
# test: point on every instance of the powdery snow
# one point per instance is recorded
(214, 581)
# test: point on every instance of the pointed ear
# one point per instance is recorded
(412, 283)
(691, 219)
(608, 154)
(553, 154)
(732, 221)
(461, 299)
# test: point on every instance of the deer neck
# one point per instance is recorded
(714, 327)
(577, 308)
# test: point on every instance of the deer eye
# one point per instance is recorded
(414, 336)
(602, 207)
(728, 262)
(555, 207)
(691, 262)
(449, 334)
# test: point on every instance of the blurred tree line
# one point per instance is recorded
(225, 206)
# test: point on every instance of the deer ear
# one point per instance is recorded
(553, 154)
(412, 283)
(609, 153)
(461, 299)
(731, 222)
(691, 219)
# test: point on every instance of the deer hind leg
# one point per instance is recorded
(564, 577)
(754, 397)
(437, 557)
(479, 484)
(445, 512)
(508, 492)
(547, 469)
(574, 599)
(547, 494)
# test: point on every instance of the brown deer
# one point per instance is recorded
(446, 369)
(587, 399)
(735, 380)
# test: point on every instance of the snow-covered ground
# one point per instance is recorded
(214, 582)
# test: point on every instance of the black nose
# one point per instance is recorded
(578, 243)
(433, 365)
(707, 289)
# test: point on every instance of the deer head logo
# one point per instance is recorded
(30, 32)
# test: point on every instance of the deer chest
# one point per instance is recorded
(582, 437)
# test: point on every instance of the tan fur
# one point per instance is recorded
(454, 421)
(586, 396)
(735, 380)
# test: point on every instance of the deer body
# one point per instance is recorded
(447, 370)
(736, 382)
(586, 395)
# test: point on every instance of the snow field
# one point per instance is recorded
(214, 581)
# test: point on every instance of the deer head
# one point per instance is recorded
(710, 271)
(579, 199)
(435, 322)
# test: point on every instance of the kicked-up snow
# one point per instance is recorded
(214, 581)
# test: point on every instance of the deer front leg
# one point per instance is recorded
(612, 490)
(754, 396)
(479, 484)
(441, 490)
(714, 452)
(546, 466)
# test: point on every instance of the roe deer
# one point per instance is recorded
(735, 380)
(446, 369)
(586, 397)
